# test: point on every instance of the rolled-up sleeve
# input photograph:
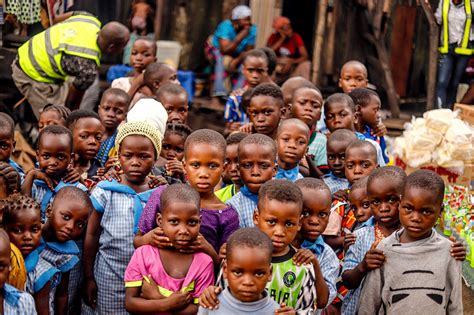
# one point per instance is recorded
(83, 70)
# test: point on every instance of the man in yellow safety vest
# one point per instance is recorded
(70, 48)
(456, 47)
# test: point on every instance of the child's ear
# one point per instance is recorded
(159, 219)
(275, 169)
(358, 108)
(270, 273)
(224, 269)
(339, 83)
(255, 216)
(13, 145)
(37, 155)
(49, 211)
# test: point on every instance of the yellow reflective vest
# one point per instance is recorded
(40, 57)
(462, 49)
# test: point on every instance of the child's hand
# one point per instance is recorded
(176, 168)
(246, 128)
(341, 195)
(150, 289)
(223, 251)
(304, 256)
(157, 238)
(72, 176)
(208, 298)
(349, 240)
(380, 130)
(201, 245)
(156, 181)
(90, 291)
(458, 250)
(180, 300)
(40, 175)
(373, 259)
(234, 126)
(286, 310)
(113, 174)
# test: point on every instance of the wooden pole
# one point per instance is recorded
(318, 41)
(158, 18)
(432, 56)
(331, 38)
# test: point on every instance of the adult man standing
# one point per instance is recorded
(70, 48)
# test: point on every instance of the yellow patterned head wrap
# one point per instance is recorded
(141, 128)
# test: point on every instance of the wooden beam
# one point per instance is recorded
(432, 56)
(158, 18)
(318, 41)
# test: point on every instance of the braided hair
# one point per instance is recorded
(179, 129)
(14, 204)
(63, 111)
(11, 176)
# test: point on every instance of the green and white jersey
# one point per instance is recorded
(291, 284)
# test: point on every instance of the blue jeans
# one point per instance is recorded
(451, 67)
(219, 75)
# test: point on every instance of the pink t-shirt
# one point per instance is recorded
(146, 261)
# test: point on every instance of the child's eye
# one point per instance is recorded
(36, 230)
(80, 225)
(45, 156)
(195, 165)
(4, 146)
(66, 217)
(98, 137)
(375, 202)
(366, 205)
(323, 214)
(330, 157)
(264, 166)
(179, 150)
(427, 212)
(173, 222)
(165, 146)
(393, 199)
(349, 166)
(183, 110)
(268, 112)
(246, 165)
(271, 222)
(83, 137)
(237, 273)
(305, 214)
(193, 222)
(289, 224)
(259, 274)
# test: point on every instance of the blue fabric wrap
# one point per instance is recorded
(316, 247)
(246, 192)
(291, 174)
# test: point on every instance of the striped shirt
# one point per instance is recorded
(245, 207)
(16, 302)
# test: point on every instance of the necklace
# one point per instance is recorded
(378, 233)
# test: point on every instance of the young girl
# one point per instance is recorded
(204, 154)
(53, 115)
(67, 218)
(179, 274)
(169, 164)
(12, 299)
(108, 244)
(22, 222)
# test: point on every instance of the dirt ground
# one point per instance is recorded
(468, 300)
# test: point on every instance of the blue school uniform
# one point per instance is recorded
(75, 281)
(328, 263)
(121, 208)
(335, 183)
(39, 273)
(245, 203)
(292, 174)
(365, 237)
(380, 140)
(45, 196)
(16, 302)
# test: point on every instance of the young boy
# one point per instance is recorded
(353, 75)
(315, 217)
(174, 99)
(113, 109)
(417, 276)
(367, 106)
(337, 143)
(265, 109)
(340, 114)
(7, 142)
(288, 88)
(278, 215)
(384, 188)
(231, 172)
(292, 143)
(247, 269)
(257, 165)
(255, 71)
(306, 104)
(54, 155)
(360, 206)
(157, 74)
(87, 134)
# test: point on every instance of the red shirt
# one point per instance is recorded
(289, 48)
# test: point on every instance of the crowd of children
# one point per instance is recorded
(130, 211)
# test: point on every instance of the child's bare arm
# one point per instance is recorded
(458, 250)
(335, 241)
(91, 246)
(155, 237)
(26, 188)
(373, 259)
(134, 303)
(42, 300)
(202, 245)
(61, 297)
(208, 298)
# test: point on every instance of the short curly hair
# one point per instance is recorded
(206, 136)
(280, 190)
(250, 238)
(427, 180)
(260, 140)
(271, 90)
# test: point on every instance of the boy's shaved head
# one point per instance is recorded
(363, 144)
(342, 135)
(271, 90)
(312, 183)
(259, 139)
(339, 98)
(251, 238)
(428, 180)
(179, 193)
(291, 85)
(361, 183)
(7, 123)
(393, 174)
(355, 63)
(280, 190)
(205, 136)
(293, 121)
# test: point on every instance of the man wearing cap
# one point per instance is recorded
(230, 41)
(71, 48)
(290, 50)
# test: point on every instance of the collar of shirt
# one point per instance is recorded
(246, 192)
(291, 174)
(316, 247)
(11, 294)
(369, 222)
